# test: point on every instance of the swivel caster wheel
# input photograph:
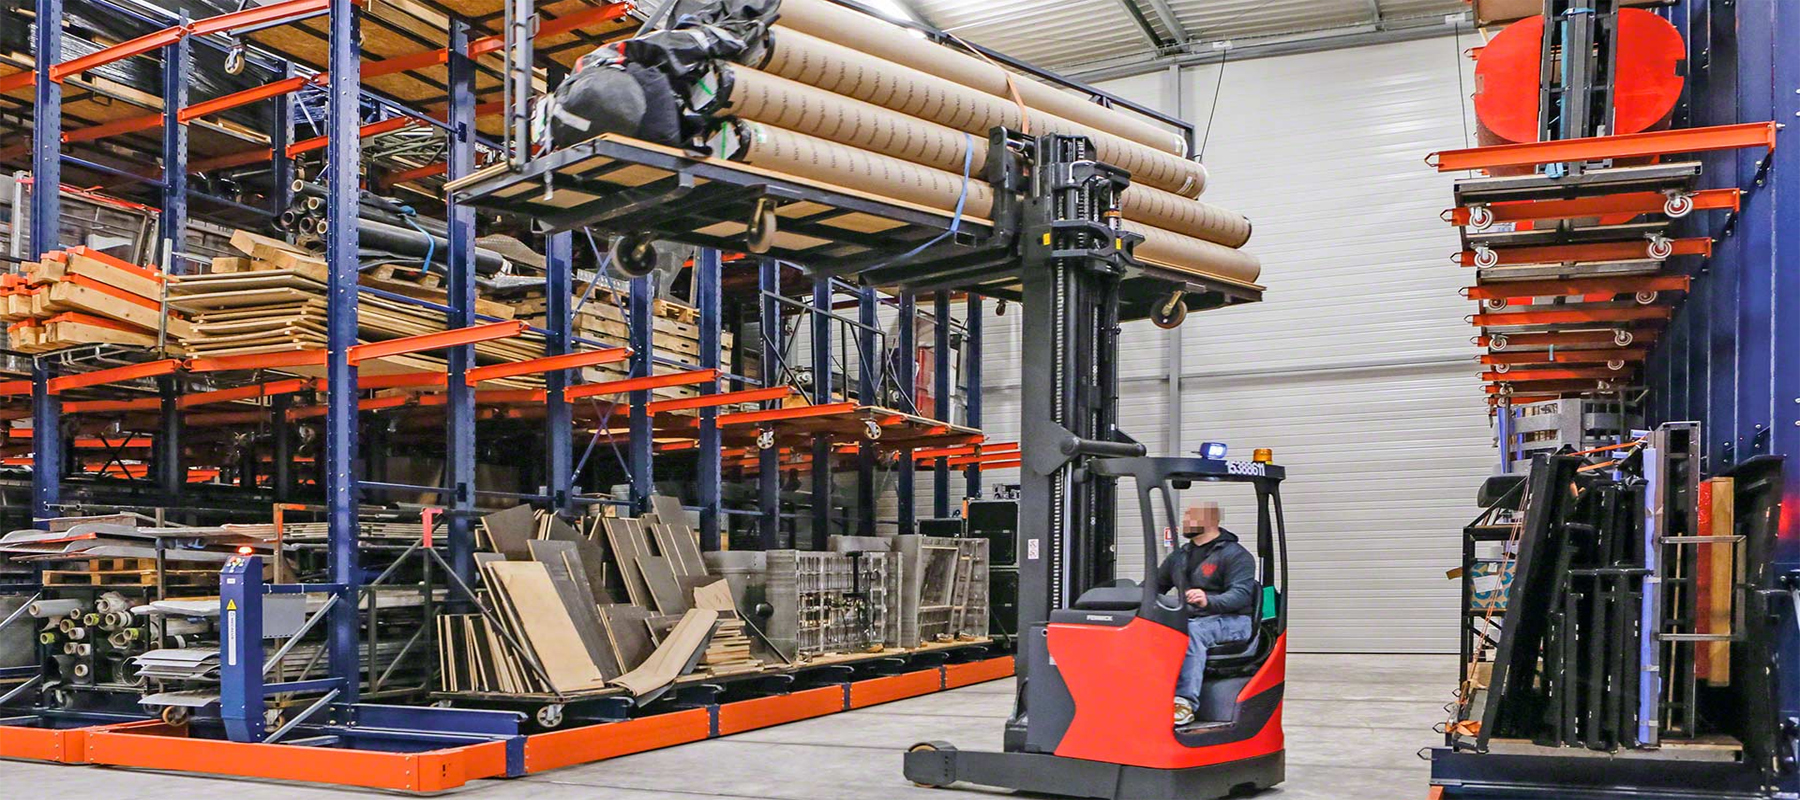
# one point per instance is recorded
(1644, 298)
(871, 430)
(1486, 257)
(759, 233)
(765, 439)
(634, 255)
(234, 59)
(1678, 205)
(1481, 218)
(175, 716)
(1497, 343)
(1502, 368)
(1494, 304)
(1616, 364)
(1622, 337)
(1660, 247)
(1169, 313)
(550, 716)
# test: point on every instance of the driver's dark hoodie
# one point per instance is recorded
(1222, 568)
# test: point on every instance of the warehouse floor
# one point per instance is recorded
(1353, 726)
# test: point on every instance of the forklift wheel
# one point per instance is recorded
(931, 747)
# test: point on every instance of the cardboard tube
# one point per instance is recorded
(828, 162)
(835, 68)
(53, 608)
(772, 100)
(881, 39)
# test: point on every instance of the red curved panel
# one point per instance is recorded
(1123, 683)
(1646, 85)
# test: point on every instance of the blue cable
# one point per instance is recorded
(955, 219)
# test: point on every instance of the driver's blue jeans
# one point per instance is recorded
(1204, 633)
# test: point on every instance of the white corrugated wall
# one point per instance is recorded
(1356, 369)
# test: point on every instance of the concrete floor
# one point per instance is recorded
(1353, 723)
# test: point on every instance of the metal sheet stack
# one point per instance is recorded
(843, 98)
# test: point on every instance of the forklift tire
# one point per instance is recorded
(932, 747)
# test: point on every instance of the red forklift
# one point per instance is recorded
(1098, 657)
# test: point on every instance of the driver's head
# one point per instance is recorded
(1200, 519)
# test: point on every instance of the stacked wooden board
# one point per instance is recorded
(84, 296)
(600, 314)
(555, 627)
(273, 300)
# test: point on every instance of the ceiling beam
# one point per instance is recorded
(1357, 36)
(1172, 23)
(1143, 25)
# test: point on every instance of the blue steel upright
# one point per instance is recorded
(459, 407)
(643, 360)
(559, 424)
(46, 217)
(343, 152)
(972, 387)
(822, 394)
(173, 222)
(941, 364)
(768, 460)
(709, 300)
(869, 360)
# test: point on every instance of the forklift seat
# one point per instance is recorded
(1123, 594)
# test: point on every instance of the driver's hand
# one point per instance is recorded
(1196, 597)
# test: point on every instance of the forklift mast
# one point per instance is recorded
(1073, 254)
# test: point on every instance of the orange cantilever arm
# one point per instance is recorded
(12, 388)
(727, 398)
(537, 366)
(1625, 284)
(796, 412)
(638, 384)
(148, 369)
(437, 341)
(1572, 315)
(1535, 375)
(1634, 145)
(287, 360)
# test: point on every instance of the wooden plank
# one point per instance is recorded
(509, 530)
(659, 575)
(628, 632)
(681, 543)
(625, 555)
(545, 622)
(676, 655)
(563, 564)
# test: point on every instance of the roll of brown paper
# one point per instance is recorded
(810, 157)
(881, 39)
(754, 95)
(836, 68)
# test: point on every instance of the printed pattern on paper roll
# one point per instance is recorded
(795, 153)
(833, 67)
(1176, 251)
(758, 96)
(862, 32)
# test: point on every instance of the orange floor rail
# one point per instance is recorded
(151, 744)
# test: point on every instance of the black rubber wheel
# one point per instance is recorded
(633, 255)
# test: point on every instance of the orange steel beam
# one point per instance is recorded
(1549, 386)
(773, 414)
(1565, 356)
(269, 389)
(406, 63)
(1636, 145)
(149, 369)
(114, 128)
(555, 27)
(983, 458)
(1596, 251)
(1573, 316)
(372, 129)
(1003, 464)
(14, 388)
(397, 380)
(436, 341)
(1601, 339)
(634, 384)
(98, 406)
(258, 16)
(726, 398)
(230, 101)
(227, 161)
(118, 52)
(1599, 205)
(1627, 284)
(1536, 375)
(287, 360)
(538, 366)
(427, 171)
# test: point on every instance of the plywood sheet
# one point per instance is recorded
(545, 624)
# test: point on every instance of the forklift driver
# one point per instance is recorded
(1221, 581)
